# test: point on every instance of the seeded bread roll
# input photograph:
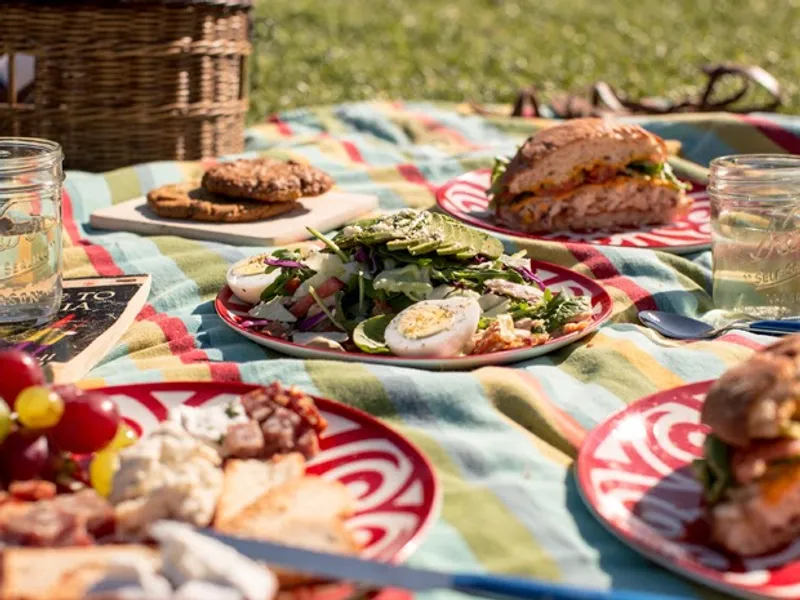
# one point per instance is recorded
(757, 399)
(554, 155)
(588, 174)
(752, 454)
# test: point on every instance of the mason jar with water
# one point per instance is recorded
(755, 220)
(31, 176)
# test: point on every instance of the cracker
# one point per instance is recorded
(248, 480)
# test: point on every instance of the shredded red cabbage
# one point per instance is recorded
(311, 322)
(529, 275)
(255, 323)
(282, 262)
(367, 257)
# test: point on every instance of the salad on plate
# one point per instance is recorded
(409, 284)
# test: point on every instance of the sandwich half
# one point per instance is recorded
(751, 466)
(587, 174)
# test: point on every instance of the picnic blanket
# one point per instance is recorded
(502, 439)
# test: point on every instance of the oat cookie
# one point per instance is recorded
(266, 180)
(190, 201)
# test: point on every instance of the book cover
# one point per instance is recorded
(94, 314)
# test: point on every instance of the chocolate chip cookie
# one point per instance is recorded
(266, 180)
(190, 201)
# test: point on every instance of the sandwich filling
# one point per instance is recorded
(658, 173)
(724, 468)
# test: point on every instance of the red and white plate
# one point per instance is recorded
(465, 199)
(397, 494)
(233, 312)
(634, 474)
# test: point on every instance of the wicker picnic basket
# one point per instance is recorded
(120, 82)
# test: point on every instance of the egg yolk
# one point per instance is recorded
(424, 322)
(255, 266)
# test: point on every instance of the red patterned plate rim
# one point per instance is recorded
(446, 204)
(599, 296)
(745, 578)
(423, 469)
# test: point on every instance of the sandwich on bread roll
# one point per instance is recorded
(751, 466)
(587, 174)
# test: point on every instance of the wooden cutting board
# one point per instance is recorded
(323, 213)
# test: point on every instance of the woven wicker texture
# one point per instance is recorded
(127, 84)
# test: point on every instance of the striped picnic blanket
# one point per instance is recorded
(502, 439)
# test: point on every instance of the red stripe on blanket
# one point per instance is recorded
(68, 218)
(101, 260)
(224, 371)
(413, 175)
(569, 428)
(352, 151)
(740, 340)
(282, 127)
(432, 124)
(181, 344)
(603, 269)
(784, 138)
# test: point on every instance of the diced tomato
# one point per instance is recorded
(292, 285)
(328, 288)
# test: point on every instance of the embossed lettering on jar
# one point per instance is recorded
(31, 176)
(755, 217)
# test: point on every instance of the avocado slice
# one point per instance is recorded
(402, 243)
(424, 247)
(378, 237)
(451, 243)
(492, 247)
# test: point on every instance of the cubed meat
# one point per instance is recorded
(243, 440)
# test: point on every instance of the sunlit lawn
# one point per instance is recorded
(327, 51)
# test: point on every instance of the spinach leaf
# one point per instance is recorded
(368, 335)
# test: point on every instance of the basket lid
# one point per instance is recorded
(131, 3)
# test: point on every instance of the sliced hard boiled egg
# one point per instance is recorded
(434, 328)
(247, 279)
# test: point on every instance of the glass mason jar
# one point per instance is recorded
(30, 230)
(755, 226)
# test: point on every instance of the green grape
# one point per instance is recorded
(5, 420)
(39, 407)
(101, 471)
(125, 437)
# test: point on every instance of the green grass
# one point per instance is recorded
(310, 52)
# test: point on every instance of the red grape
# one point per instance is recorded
(25, 455)
(17, 372)
(89, 422)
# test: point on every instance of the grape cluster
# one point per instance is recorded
(50, 432)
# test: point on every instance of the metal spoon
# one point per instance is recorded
(685, 328)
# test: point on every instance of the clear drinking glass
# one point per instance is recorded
(755, 221)
(30, 230)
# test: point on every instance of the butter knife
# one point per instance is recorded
(358, 570)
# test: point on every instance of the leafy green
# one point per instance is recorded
(369, 335)
(498, 170)
(668, 175)
(646, 167)
(713, 470)
(658, 171)
(562, 308)
(410, 280)
(471, 277)
(329, 243)
(484, 322)
(324, 309)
